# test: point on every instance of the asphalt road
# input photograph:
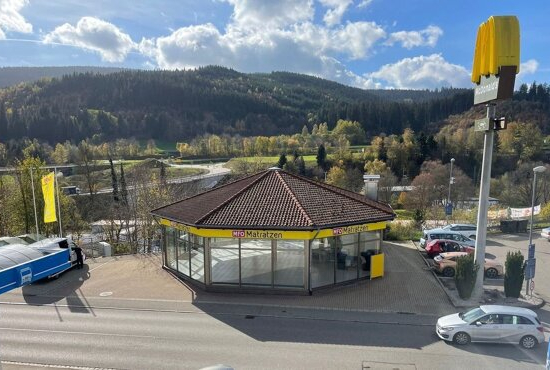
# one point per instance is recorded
(85, 337)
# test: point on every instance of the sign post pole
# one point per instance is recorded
(481, 231)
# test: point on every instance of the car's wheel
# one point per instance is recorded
(461, 338)
(448, 272)
(528, 342)
(491, 273)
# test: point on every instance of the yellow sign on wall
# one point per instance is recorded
(274, 234)
(497, 45)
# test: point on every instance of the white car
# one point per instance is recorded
(545, 233)
(468, 230)
(433, 234)
(494, 324)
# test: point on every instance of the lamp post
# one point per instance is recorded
(538, 169)
(450, 183)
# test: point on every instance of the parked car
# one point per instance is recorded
(445, 263)
(468, 230)
(7, 240)
(493, 324)
(545, 233)
(428, 235)
(437, 246)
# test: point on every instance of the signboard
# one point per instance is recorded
(524, 212)
(449, 209)
(531, 251)
(482, 124)
(376, 265)
(530, 268)
(274, 234)
(496, 59)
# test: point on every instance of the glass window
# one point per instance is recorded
(289, 260)
(197, 258)
(471, 315)
(323, 252)
(225, 260)
(347, 257)
(182, 243)
(256, 262)
(169, 240)
(520, 320)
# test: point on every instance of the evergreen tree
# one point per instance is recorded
(123, 188)
(162, 173)
(114, 181)
(301, 164)
(3, 123)
(282, 161)
(321, 157)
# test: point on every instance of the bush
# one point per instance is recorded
(404, 230)
(465, 277)
(514, 274)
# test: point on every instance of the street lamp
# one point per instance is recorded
(450, 183)
(538, 169)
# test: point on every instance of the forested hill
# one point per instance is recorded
(10, 76)
(177, 105)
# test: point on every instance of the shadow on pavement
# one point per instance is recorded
(508, 351)
(50, 291)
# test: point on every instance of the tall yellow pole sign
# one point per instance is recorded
(496, 59)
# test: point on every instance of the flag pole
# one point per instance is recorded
(58, 200)
(34, 203)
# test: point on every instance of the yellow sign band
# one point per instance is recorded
(274, 234)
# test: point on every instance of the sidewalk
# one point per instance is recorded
(139, 282)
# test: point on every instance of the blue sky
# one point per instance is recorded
(365, 43)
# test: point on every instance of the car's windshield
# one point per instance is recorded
(472, 314)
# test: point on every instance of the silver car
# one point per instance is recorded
(493, 324)
(433, 234)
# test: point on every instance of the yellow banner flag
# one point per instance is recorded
(48, 189)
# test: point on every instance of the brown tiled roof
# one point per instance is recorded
(275, 199)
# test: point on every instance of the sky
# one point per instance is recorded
(401, 44)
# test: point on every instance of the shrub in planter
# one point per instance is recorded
(514, 274)
(465, 277)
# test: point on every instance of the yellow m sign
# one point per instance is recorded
(497, 45)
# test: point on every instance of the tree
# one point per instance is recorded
(162, 176)
(3, 123)
(422, 196)
(282, 161)
(352, 131)
(301, 166)
(350, 179)
(321, 157)
(123, 188)
(114, 181)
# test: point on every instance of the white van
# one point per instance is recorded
(447, 234)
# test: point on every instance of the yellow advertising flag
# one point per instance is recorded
(48, 189)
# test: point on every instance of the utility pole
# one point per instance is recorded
(449, 208)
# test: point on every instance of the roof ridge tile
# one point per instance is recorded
(215, 209)
(294, 198)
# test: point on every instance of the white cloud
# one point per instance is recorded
(422, 72)
(526, 68)
(11, 18)
(410, 39)
(270, 14)
(336, 10)
(94, 34)
(364, 3)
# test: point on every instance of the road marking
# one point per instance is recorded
(80, 332)
(32, 364)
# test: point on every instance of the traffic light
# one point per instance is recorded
(497, 45)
